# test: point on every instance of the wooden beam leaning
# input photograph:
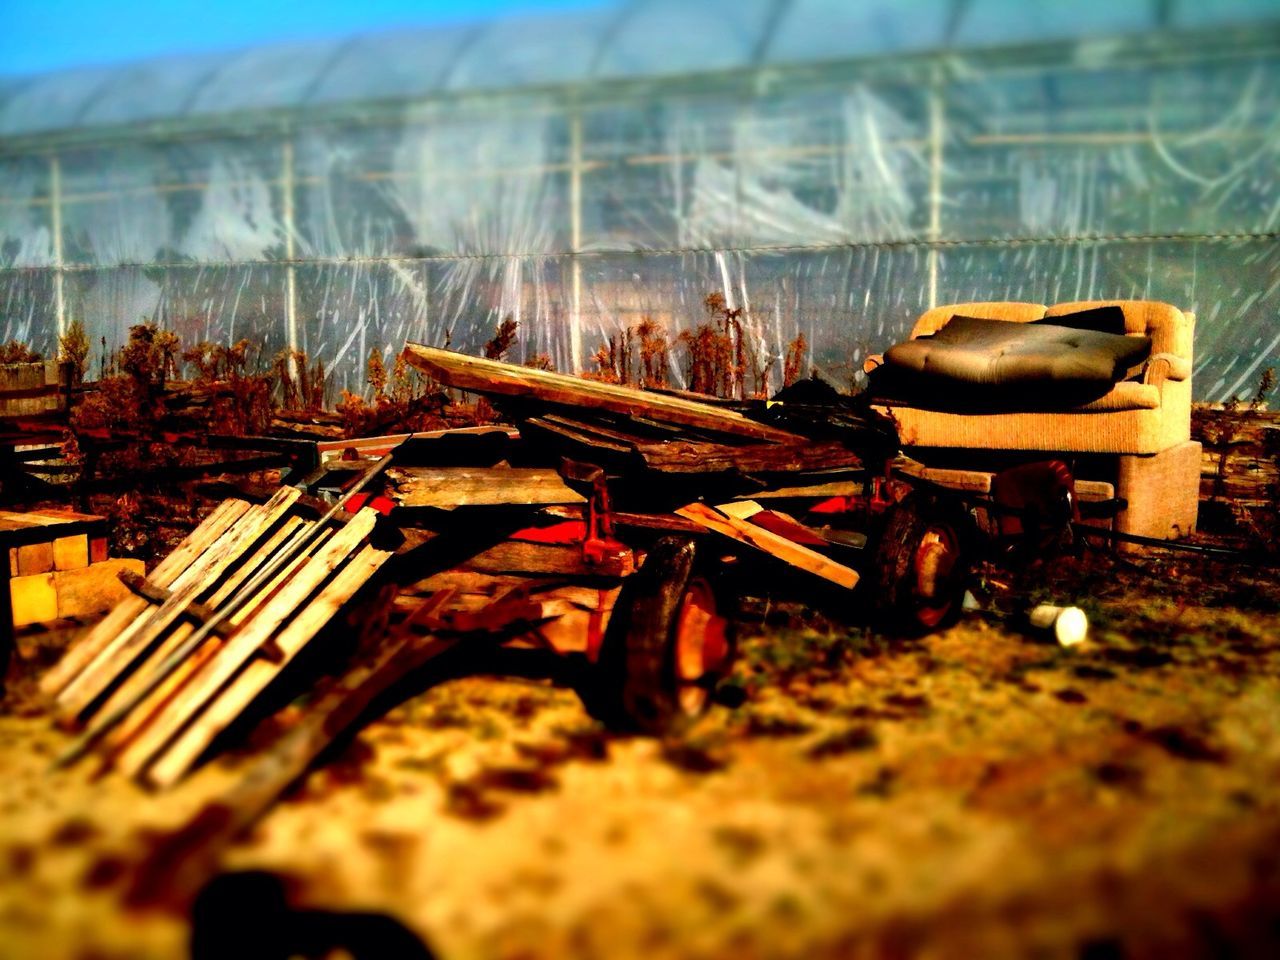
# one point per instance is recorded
(174, 761)
(506, 379)
(232, 656)
(80, 654)
(794, 554)
(139, 637)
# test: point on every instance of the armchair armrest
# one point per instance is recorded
(1165, 366)
(873, 361)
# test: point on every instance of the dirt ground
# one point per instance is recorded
(977, 793)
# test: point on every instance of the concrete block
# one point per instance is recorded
(35, 558)
(94, 589)
(71, 553)
(34, 598)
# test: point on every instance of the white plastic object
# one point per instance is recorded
(1069, 624)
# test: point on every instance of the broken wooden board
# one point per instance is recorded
(495, 378)
(169, 722)
(684, 455)
(793, 554)
(449, 487)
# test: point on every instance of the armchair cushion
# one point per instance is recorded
(978, 363)
(1104, 319)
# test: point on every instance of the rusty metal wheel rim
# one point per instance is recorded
(933, 564)
(701, 646)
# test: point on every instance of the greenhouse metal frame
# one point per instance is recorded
(828, 191)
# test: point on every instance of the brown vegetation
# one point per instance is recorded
(17, 352)
(73, 348)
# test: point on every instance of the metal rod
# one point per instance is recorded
(1225, 554)
(238, 599)
(55, 228)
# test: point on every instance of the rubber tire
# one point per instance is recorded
(634, 686)
(896, 605)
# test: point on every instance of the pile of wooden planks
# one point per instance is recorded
(175, 710)
(633, 431)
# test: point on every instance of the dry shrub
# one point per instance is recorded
(242, 401)
(539, 361)
(653, 353)
(413, 403)
(130, 406)
(302, 387)
(793, 363)
(16, 351)
(503, 337)
(73, 348)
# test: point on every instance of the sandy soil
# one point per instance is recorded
(979, 792)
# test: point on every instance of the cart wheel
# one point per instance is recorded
(666, 645)
(921, 566)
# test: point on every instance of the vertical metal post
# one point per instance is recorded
(290, 251)
(55, 227)
(937, 121)
(575, 238)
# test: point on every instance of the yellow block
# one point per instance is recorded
(35, 600)
(71, 553)
(94, 589)
(35, 558)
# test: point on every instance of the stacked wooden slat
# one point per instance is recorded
(168, 725)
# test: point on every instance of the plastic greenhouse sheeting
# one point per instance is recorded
(837, 200)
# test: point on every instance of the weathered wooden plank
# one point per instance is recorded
(138, 738)
(448, 487)
(178, 758)
(120, 656)
(973, 481)
(506, 379)
(291, 528)
(90, 590)
(833, 488)
(513, 556)
(116, 656)
(790, 553)
(230, 657)
(109, 628)
(695, 456)
(137, 681)
(144, 588)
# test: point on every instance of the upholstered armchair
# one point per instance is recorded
(1143, 419)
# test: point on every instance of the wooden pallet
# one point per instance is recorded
(164, 734)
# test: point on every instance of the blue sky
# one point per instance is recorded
(41, 35)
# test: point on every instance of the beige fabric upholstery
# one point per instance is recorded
(1103, 431)
(1134, 418)
(1165, 366)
